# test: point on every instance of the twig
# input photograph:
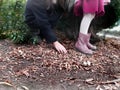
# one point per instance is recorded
(112, 81)
(8, 84)
(5, 83)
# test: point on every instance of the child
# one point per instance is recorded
(90, 9)
(41, 16)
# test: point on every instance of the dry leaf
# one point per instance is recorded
(22, 88)
(107, 87)
(6, 83)
(25, 88)
(23, 72)
(117, 84)
(89, 80)
(117, 75)
(98, 87)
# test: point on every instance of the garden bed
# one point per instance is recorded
(42, 65)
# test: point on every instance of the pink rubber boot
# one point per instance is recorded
(81, 46)
(89, 45)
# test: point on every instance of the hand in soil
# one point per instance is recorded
(59, 47)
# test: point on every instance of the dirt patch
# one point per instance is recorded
(42, 65)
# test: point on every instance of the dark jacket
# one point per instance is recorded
(43, 15)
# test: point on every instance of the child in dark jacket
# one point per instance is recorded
(41, 16)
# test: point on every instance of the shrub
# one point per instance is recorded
(12, 20)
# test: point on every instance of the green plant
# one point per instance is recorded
(12, 20)
(116, 5)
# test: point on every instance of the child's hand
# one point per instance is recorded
(59, 47)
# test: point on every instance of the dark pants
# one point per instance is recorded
(37, 17)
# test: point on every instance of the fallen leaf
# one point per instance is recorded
(89, 80)
(23, 72)
(25, 88)
(6, 83)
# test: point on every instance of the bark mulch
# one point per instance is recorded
(43, 65)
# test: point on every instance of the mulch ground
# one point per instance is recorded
(41, 64)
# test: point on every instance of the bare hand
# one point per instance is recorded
(59, 47)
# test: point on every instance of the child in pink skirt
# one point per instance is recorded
(90, 9)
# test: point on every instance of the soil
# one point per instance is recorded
(41, 67)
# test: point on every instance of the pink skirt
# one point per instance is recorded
(89, 6)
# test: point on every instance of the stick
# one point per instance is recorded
(112, 81)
